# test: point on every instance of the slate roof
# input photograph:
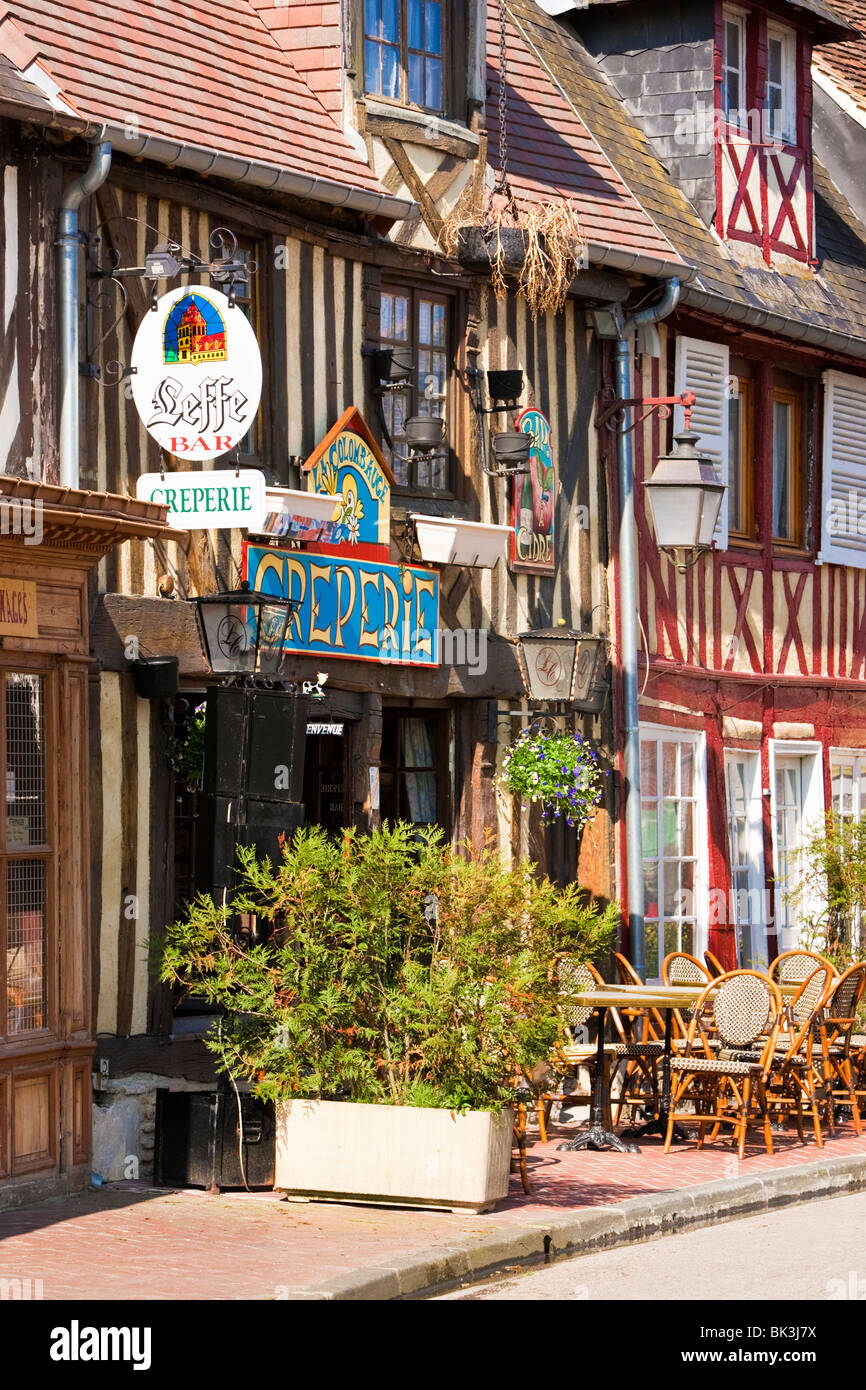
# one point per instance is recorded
(207, 73)
(845, 63)
(828, 306)
(829, 19)
(551, 153)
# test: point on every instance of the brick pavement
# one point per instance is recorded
(129, 1241)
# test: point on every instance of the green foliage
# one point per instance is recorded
(397, 970)
(835, 872)
(559, 770)
(186, 751)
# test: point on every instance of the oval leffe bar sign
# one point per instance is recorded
(198, 373)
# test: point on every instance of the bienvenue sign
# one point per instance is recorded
(197, 377)
(353, 608)
(214, 500)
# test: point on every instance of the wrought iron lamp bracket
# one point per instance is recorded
(612, 409)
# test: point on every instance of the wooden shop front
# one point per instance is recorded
(51, 540)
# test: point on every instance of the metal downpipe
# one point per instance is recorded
(67, 277)
(628, 600)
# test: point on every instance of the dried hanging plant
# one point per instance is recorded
(553, 245)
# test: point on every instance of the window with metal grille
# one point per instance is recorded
(26, 854)
(413, 318)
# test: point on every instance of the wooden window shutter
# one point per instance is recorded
(843, 506)
(704, 367)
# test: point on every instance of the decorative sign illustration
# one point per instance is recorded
(217, 499)
(349, 461)
(18, 608)
(353, 608)
(198, 373)
(534, 498)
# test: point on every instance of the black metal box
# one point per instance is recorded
(198, 1140)
(254, 743)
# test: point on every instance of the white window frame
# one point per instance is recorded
(812, 811)
(737, 18)
(788, 86)
(665, 733)
(857, 756)
(755, 835)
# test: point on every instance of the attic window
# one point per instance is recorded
(403, 51)
(781, 96)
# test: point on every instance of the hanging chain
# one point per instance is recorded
(502, 181)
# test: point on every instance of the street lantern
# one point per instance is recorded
(244, 631)
(562, 664)
(685, 496)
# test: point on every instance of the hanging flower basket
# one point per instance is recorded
(559, 770)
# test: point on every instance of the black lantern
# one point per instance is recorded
(561, 664)
(244, 631)
(685, 496)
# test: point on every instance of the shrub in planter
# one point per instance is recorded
(559, 770)
(393, 969)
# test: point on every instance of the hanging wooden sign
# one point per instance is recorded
(197, 377)
(349, 462)
(534, 499)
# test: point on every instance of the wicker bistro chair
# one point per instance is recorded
(745, 1008)
(795, 1082)
(714, 965)
(679, 968)
(835, 1026)
(793, 966)
(572, 976)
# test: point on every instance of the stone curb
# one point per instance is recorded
(595, 1228)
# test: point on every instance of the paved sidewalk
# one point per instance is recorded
(129, 1241)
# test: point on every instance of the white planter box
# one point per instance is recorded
(445, 540)
(394, 1154)
(318, 506)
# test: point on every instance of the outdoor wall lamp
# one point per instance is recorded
(685, 496)
(244, 632)
(563, 664)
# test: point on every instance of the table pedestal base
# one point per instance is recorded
(597, 1137)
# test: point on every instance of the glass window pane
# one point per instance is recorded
(25, 945)
(416, 78)
(25, 761)
(389, 21)
(386, 316)
(672, 937)
(774, 60)
(651, 889)
(433, 33)
(433, 98)
(372, 77)
(669, 769)
(649, 830)
(735, 462)
(687, 760)
(416, 23)
(671, 899)
(371, 18)
(390, 73)
(781, 469)
(670, 828)
(648, 765)
(651, 951)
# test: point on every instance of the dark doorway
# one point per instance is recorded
(327, 793)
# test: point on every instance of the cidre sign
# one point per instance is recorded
(197, 377)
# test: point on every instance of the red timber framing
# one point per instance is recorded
(755, 643)
(764, 188)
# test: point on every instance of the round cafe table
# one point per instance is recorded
(601, 998)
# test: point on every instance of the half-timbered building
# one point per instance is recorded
(332, 149)
(752, 708)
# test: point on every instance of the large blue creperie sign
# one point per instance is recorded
(362, 609)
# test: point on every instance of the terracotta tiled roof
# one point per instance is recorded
(833, 299)
(203, 72)
(845, 63)
(551, 153)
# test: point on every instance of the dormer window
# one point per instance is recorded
(780, 103)
(403, 52)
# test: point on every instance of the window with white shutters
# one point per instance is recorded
(704, 367)
(843, 512)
